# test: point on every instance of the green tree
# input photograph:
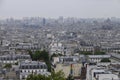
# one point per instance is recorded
(8, 66)
(118, 52)
(37, 77)
(58, 75)
(30, 53)
(16, 63)
(55, 55)
(41, 55)
(91, 53)
(99, 53)
(105, 60)
(54, 76)
(70, 77)
(86, 53)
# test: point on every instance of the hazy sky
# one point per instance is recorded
(56, 8)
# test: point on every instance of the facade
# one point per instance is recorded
(96, 71)
(56, 48)
(103, 72)
(97, 58)
(115, 55)
(32, 67)
(13, 58)
(26, 46)
(73, 69)
(107, 77)
(70, 65)
(87, 48)
(68, 59)
(5, 43)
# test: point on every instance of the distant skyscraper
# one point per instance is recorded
(61, 19)
(44, 21)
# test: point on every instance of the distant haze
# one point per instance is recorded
(56, 8)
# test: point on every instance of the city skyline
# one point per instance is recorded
(56, 8)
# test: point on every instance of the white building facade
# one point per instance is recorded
(32, 67)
